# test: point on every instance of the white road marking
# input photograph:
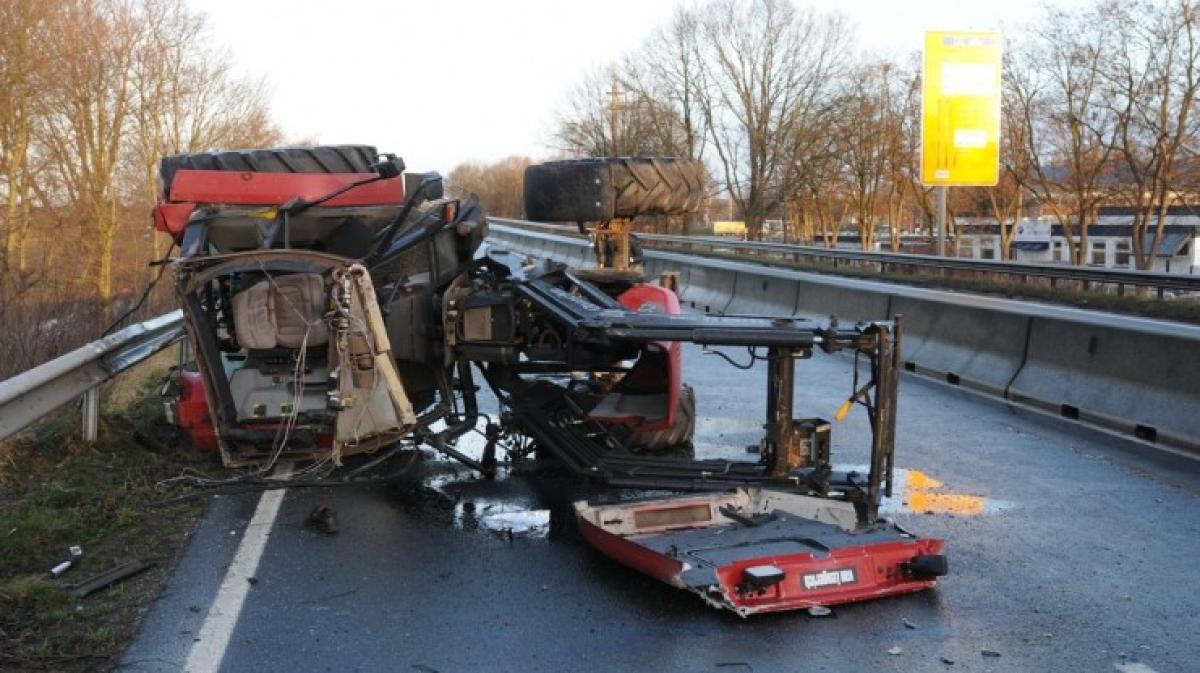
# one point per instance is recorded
(209, 649)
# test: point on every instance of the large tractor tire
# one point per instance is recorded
(678, 437)
(319, 159)
(597, 190)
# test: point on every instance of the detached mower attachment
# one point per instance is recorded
(756, 550)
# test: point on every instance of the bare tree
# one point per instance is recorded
(765, 67)
(97, 42)
(870, 145)
(1006, 200)
(644, 124)
(1153, 73)
(663, 75)
(903, 148)
(24, 65)
(186, 99)
(1055, 84)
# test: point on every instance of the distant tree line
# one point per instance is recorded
(92, 94)
(498, 184)
(796, 123)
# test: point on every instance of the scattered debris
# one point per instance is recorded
(819, 611)
(74, 553)
(323, 519)
(907, 624)
(111, 577)
(948, 661)
(990, 653)
(895, 650)
(61, 568)
(330, 597)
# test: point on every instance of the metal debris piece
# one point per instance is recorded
(990, 653)
(895, 650)
(61, 568)
(323, 519)
(948, 661)
(75, 551)
(819, 611)
(108, 578)
(907, 624)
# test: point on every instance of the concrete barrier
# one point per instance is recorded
(979, 349)
(1142, 384)
(763, 294)
(1138, 376)
(708, 289)
(821, 299)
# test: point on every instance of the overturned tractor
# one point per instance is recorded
(338, 306)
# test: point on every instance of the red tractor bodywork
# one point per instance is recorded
(659, 369)
(191, 188)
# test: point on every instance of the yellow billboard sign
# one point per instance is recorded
(960, 108)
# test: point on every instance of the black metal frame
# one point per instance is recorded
(556, 419)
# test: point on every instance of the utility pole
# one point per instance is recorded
(614, 115)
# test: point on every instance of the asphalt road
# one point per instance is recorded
(1069, 551)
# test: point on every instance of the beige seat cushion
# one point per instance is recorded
(278, 312)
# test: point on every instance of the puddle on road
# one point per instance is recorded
(502, 517)
(505, 506)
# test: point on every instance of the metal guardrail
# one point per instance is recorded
(36, 393)
(885, 261)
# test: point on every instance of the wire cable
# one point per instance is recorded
(146, 293)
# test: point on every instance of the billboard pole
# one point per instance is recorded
(941, 220)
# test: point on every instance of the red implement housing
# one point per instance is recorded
(755, 550)
(188, 406)
(647, 398)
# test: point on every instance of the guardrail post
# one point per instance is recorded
(91, 415)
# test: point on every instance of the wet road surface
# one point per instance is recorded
(1069, 551)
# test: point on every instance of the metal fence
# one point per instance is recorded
(1083, 278)
(34, 394)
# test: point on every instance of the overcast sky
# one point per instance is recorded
(444, 81)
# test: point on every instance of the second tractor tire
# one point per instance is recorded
(601, 189)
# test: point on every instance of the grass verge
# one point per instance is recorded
(54, 493)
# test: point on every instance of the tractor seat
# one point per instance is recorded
(281, 311)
